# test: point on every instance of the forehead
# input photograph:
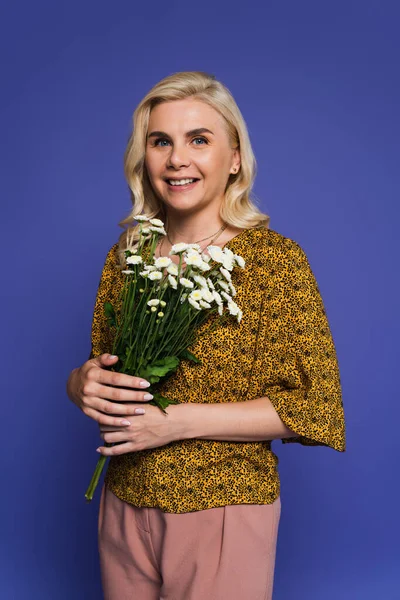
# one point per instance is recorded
(179, 116)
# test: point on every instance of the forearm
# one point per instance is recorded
(252, 420)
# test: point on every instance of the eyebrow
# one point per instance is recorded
(187, 134)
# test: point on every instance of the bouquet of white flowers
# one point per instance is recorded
(161, 306)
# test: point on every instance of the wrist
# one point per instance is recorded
(182, 417)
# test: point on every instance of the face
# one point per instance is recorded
(187, 139)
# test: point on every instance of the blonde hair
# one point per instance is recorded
(239, 207)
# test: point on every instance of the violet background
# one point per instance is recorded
(318, 85)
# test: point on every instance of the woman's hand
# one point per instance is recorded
(92, 386)
(150, 430)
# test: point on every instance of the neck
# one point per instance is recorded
(192, 228)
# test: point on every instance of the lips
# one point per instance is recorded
(186, 186)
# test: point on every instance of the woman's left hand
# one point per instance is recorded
(150, 430)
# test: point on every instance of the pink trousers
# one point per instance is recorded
(223, 553)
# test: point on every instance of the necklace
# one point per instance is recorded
(206, 238)
(224, 226)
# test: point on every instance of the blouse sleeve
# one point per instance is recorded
(107, 291)
(306, 393)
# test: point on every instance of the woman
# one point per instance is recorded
(190, 507)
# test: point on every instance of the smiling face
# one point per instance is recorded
(188, 139)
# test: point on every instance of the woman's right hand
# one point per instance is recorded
(92, 386)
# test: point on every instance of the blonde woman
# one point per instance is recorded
(190, 506)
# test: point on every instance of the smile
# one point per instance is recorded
(181, 184)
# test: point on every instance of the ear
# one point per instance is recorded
(235, 161)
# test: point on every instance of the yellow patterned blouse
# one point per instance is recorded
(282, 349)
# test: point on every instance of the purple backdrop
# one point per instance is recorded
(318, 84)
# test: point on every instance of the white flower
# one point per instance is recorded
(128, 272)
(194, 304)
(186, 282)
(229, 259)
(226, 296)
(239, 315)
(157, 222)
(217, 297)
(194, 247)
(155, 275)
(153, 309)
(210, 284)
(233, 308)
(183, 297)
(162, 261)
(145, 231)
(207, 295)
(196, 295)
(223, 284)
(228, 263)
(225, 273)
(178, 248)
(153, 302)
(160, 314)
(158, 230)
(239, 260)
(194, 258)
(144, 274)
(172, 281)
(206, 257)
(201, 281)
(140, 218)
(173, 269)
(134, 260)
(150, 268)
(204, 304)
(204, 266)
(163, 303)
(216, 253)
(233, 290)
(220, 309)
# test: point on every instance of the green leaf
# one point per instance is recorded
(159, 368)
(162, 402)
(110, 313)
(189, 356)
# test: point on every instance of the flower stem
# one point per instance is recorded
(96, 476)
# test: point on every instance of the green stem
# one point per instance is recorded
(96, 476)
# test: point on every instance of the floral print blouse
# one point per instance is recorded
(282, 348)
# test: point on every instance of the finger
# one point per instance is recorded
(110, 408)
(113, 437)
(116, 450)
(104, 360)
(125, 422)
(105, 420)
(119, 394)
(121, 379)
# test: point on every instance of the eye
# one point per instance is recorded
(158, 140)
(200, 138)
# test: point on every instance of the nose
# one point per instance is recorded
(178, 156)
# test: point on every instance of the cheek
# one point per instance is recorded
(152, 165)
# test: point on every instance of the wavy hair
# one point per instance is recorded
(239, 206)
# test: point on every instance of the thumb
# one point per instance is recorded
(107, 359)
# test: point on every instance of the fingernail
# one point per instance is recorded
(144, 384)
(125, 422)
(139, 411)
(148, 396)
(98, 450)
(113, 356)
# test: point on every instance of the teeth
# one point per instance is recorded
(180, 181)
